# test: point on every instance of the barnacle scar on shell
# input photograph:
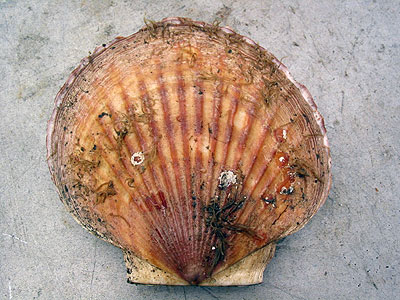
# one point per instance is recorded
(192, 149)
(137, 158)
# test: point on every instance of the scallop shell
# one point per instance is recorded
(192, 149)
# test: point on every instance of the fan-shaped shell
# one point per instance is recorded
(191, 148)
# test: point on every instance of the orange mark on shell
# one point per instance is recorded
(268, 200)
(282, 159)
(279, 135)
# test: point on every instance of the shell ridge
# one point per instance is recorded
(223, 141)
(106, 133)
(221, 195)
(202, 159)
(112, 169)
(158, 219)
(256, 149)
(241, 145)
(141, 197)
(198, 157)
(185, 131)
(171, 194)
(273, 176)
(283, 200)
(185, 74)
(267, 133)
(227, 145)
(209, 237)
(110, 137)
(267, 186)
(238, 158)
(176, 168)
(246, 216)
(242, 190)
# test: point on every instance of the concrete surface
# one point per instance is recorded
(345, 52)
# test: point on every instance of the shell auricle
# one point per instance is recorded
(192, 149)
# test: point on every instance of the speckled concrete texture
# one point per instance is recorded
(346, 52)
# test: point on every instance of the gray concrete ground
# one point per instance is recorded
(345, 52)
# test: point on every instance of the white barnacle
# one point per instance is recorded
(137, 158)
(286, 191)
(270, 200)
(226, 179)
(284, 134)
(281, 159)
